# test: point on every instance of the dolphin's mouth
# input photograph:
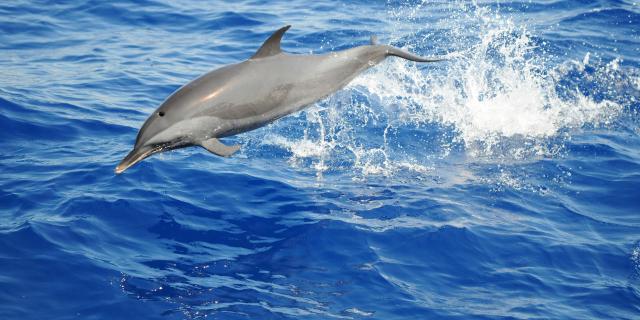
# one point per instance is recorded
(136, 155)
(140, 153)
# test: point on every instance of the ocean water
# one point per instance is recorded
(503, 183)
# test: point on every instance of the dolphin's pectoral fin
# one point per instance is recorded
(272, 45)
(216, 147)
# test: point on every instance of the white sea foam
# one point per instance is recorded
(635, 259)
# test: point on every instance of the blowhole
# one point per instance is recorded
(161, 113)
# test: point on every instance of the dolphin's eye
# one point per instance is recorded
(161, 114)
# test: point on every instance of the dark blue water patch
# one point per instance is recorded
(613, 17)
(82, 58)
(40, 28)
(22, 122)
(233, 18)
(25, 129)
(600, 203)
(130, 15)
(35, 45)
(90, 291)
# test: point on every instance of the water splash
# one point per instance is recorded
(502, 96)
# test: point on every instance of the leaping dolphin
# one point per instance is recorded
(247, 95)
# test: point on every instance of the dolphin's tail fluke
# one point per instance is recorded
(393, 51)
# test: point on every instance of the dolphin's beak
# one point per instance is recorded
(136, 155)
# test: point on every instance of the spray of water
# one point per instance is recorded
(501, 96)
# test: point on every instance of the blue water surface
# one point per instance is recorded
(501, 183)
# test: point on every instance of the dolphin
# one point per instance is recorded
(244, 96)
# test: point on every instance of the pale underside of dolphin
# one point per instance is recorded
(247, 95)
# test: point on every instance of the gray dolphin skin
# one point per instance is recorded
(247, 95)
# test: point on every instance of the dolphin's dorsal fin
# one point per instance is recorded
(374, 40)
(272, 45)
(216, 147)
